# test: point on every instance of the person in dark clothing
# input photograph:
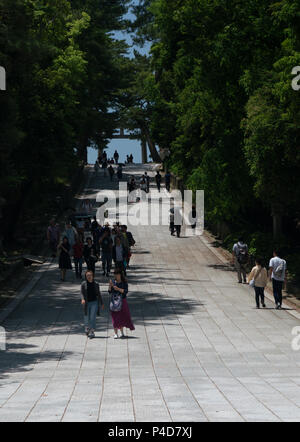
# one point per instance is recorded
(64, 257)
(147, 179)
(119, 172)
(168, 181)
(96, 230)
(104, 167)
(106, 244)
(78, 257)
(130, 240)
(90, 255)
(91, 300)
(174, 226)
(158, 180)
(116, 157)
(111, 172)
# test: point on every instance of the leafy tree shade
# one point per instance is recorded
(65, 72)
(222, 102)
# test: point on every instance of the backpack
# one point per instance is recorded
(279, 270)
(116, 302)
(243, 256)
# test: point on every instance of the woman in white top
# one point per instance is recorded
(260, 276)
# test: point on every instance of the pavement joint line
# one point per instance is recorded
(27, 376)
(130, 381)
(200, 364)
(154, 371)
(220, 357)
(53, 374)
(104, 370)
(183, 377)
(76, 380)
(222, 332)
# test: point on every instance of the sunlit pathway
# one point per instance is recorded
(200, 351)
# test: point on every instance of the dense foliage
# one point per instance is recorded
(64, 73)
(223, 103)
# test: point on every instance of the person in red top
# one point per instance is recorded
(78, 257)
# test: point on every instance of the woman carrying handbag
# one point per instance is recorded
(118, 306)
(258, 279)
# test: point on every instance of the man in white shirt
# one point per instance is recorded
(277, 274)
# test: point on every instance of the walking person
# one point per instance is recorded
(143, 187)
(119, 172)
(91, 300)
(147, 179)
(158, 180)
(174, 214)
(130, 242)
(96, 231)
(277, 274)
(106, 244)
(258, 279)
(131, 186)
(64, 261)
(104, 167)
(119, 254)
(90, 255)
(87, 207)
(168, 181)
(116, 156)
(119, 308)
(78, 257)
(240, 259)
(71, 233)
(96, 167)
(111, 172)
(193, 217)
(53, 236)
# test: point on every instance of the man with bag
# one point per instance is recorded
(240, 258)
(277, 274)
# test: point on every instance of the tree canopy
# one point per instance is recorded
(65, 71)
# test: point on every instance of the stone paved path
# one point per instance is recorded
(200, 351)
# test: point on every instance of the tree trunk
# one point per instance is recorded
(154, 154)
(144, 151)
(82, 149)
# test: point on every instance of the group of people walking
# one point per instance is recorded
(108, 244)
(259, 275)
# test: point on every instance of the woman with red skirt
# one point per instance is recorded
(119, 308)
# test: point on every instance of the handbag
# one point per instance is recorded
(252, 282)
(116, 301)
